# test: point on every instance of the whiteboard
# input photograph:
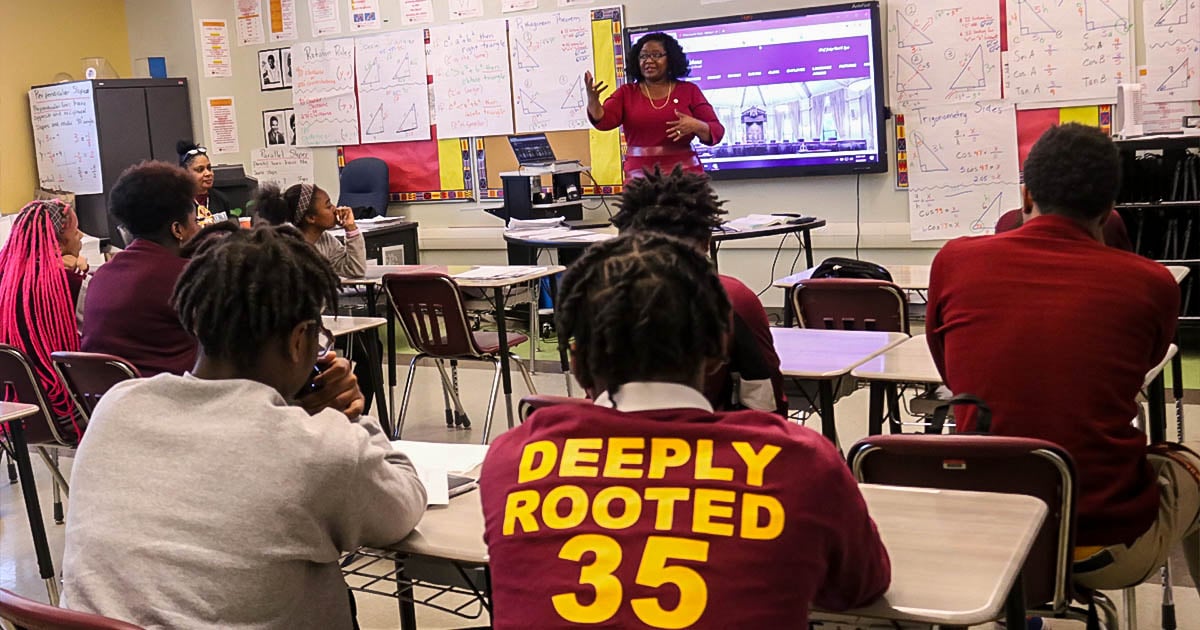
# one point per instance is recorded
(942, 51)
(472, 90)
(323, 93)
(393, 97)
(963, 171)
(1067, 52)
(64, 138)
(549, 54)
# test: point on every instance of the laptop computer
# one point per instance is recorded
(534, 150)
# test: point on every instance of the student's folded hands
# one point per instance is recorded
(337, 388)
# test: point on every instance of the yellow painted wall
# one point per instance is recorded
(39, 39)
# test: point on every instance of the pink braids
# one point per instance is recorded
(36, 310)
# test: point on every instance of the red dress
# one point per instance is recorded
(646, 127)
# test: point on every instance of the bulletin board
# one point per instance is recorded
(422, 170)
(600, 150)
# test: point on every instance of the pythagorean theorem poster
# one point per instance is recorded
(393, 95)
(323, 93)
(549, 54)
(942, 51)
(472, 86)
(962, 168)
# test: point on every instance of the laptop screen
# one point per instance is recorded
(532, 149)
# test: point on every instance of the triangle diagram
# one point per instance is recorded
(972, 75)
(1178, 79)
(574, 98)
(409, 122)
(1101, 15)
(994, 207)
(371, 76)
(907, 33)
(1033, 23)
(404, 72)
(929, 161)
(1175, 15)
(529, 105)
(375, 127)
(909, 79)
(525, 61)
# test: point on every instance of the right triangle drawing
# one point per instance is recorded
(1175, 15)
(1032, 22)
(529, 105)
(525, 61)
(371, 76)
(929, 161)
(409, 122)
(375, 127)
(909, 79)
(972, 75)
(907, 33)
(1178, 79)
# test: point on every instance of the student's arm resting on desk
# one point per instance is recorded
(384, 498)
(349, 260)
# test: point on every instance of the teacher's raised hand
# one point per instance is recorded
(684, 127)
(594, 90)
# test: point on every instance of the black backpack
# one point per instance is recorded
(838, 267)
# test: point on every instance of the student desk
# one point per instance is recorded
(347, 326)
(12, 417)
(955, 555)
(911, 362)
(907, 277)
(374, 279)
(825, 356)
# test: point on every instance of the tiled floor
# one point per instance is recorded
(18, 567)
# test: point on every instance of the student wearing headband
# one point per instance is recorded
(211, 205)
(312, 211)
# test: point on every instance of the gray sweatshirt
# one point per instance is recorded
(349, 259)
(212, 503)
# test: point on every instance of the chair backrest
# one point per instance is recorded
(989, 463)
(532, 403)
(430, 309)
(20, 384)
(364, 182)
(850, 304)
(27, 614)
(89, 375)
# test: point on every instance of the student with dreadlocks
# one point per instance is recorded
(128, 310)
(210, 499)
(310, 209)
(683, 205)
(41, 275)
(649, 509)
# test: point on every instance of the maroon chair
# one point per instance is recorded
(530, 404)
(89, 375)
(850, 304)
(26, 614)
(987, 463)
(431, 312)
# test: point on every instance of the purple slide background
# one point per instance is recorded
(795, 63)
(756, 26)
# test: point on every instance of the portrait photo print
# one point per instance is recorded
(277, 129)
(270, 69)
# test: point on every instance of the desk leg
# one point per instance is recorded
(713, 248)
(875, 413)
(808, 258)
(372, 309)
(789, 314)
(372, 352)
(535, 290)
(564, 360)
(33, 508)
(1177, 388)
(1157, 416)
(391, 355)
(893, 407)
(828, 426)
(505, 373)
(408, 607)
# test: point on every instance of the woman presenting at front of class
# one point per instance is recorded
(661, 114)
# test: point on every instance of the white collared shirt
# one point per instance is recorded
(650, 396)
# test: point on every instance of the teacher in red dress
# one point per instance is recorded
(660, 113)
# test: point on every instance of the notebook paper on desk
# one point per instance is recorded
(754, 221)
(497, 272)
(435, 460)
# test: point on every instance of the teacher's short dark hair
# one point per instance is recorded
(677, 61)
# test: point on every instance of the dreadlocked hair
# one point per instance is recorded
(679, 204)
(37, 314)
(641, 307)
(252, 286)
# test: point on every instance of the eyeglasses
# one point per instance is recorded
(325, 339)
(651, 56)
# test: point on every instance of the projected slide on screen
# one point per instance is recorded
(797, 91)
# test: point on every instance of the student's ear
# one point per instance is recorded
(178, 231)
(298, 343)
(1026, 201)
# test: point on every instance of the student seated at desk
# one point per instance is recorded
(129, 312)
(649, 509)
(683, 205)
(310, 209)
(41, 276)
(210, 499)
(1056, 332)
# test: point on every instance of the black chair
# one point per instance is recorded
(364, 183)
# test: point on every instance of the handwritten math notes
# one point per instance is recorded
(323, 93)
(962, 170)
(1067, 51)
(472, 88)
(550, 52)
(282, 166)
(393, 97)
(1172, 36)
(65, 139)
(943, 51)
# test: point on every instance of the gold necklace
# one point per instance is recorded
(646, 91)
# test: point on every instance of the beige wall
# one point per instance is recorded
(37, 41)
(163, 28)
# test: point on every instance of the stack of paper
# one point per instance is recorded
(435, 460)
(489, 272)
(753, 222)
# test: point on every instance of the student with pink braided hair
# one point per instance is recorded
(41, 274)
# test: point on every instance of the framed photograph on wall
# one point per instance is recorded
(270, 68)
(285, 58)
(275, 125)
(289, 128)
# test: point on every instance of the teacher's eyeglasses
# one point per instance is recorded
(651, 56)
